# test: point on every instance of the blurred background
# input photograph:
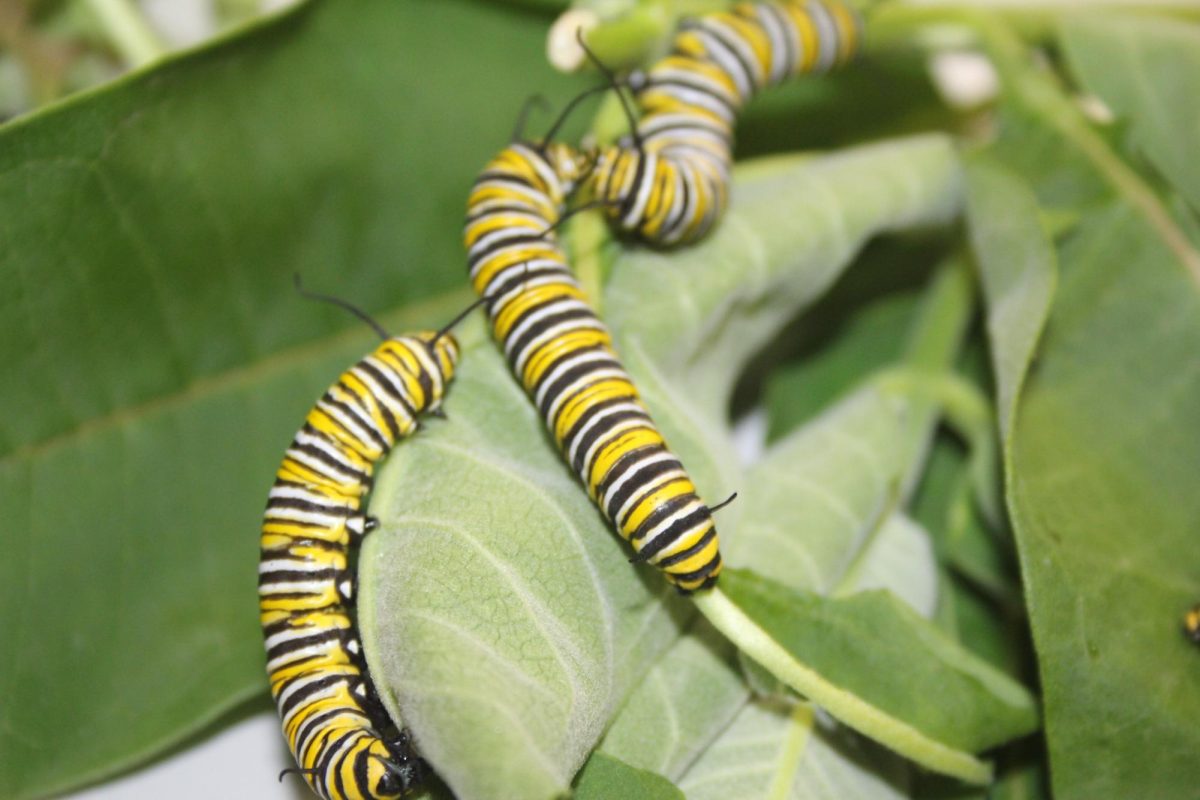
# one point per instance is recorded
(52, 48)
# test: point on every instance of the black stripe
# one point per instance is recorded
(335, 761)
(677, 528)
(644, 476)
(640, 483)
(684, 555)
(318, 636)
(474, 216)
(707, 569)
(503, 177)
(276, 596)
(360, 774)
(666, 83)
(673, 225)
(543, 325)
(305, 693)
(601, 429)
(287, 575)
(315, 722)
(623, 464)
(424, 378)
(730, 46)
(333, 510)
(595, 408)
(563, 381)
(630, 198)
(785, 27)
(495, 290)
(350, 412)
(360, 411)
(392, 388)
(317, 454)
(660, 513)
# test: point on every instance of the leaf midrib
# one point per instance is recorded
(432, 307)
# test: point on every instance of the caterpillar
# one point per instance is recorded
(336, 727)
(667, 182)
(562, 354)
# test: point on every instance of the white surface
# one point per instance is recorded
(181, 23)
(239, 762)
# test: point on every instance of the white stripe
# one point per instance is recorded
(575, 386)
(563, 366)
(665, 525)
(644, 491)
(282, 514)
(632, 472)
(606, 438)
(558, 305)
(563, 328)
(575, 441)
(827, 36)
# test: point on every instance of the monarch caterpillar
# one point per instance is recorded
(562, 355)
(670, 182)
(335, 725)
(1191, 623)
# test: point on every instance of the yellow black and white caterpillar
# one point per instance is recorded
(668, 181)
(343, 741)
(562, 355)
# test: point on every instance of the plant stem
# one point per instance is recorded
(946, 310)
(128, 31)
(843, 705)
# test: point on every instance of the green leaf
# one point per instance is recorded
(1101, 467)
(692, 693)
(605, 778)
(785, 240)
(837, 652)
(858, 327)
(1102, 472)
(1147, 69)
(781, 750)
(1017, 269)
(493, 590)
(157, 359)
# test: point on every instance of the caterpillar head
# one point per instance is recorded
(395, 769)
(570, 165)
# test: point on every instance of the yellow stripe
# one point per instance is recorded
(547, 354)
(637, 515)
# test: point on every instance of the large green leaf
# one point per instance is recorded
(1101, 460)
(1148, 70)
(1102, 474)
(879, 650)
(1016, 264)
(156, 359)
(780, 749)
(493, 590)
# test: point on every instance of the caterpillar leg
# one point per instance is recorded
(360, 525)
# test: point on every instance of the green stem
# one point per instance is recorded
(946, 311)
(128, 31)
(841, 704)
(800, 727)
